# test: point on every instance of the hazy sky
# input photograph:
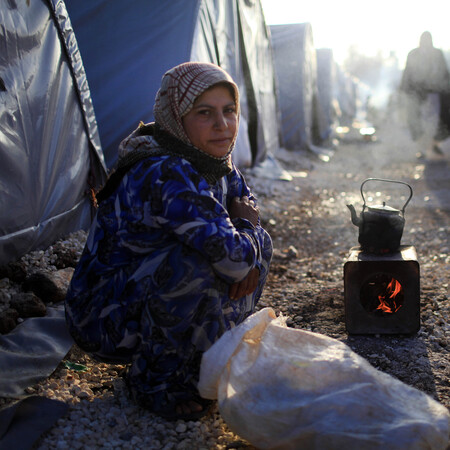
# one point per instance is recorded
(377, 25)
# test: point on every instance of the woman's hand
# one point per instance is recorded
(246, 286)
(244, 208)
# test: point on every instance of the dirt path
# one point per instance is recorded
(312, 233)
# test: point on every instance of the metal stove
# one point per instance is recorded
(382, 292)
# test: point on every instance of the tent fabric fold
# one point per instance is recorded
(49, 147)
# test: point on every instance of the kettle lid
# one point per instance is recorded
(384, 209)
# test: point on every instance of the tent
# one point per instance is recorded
(49, 143)
(127, 46)
(296, 76)
(327, 89)
(347, 96)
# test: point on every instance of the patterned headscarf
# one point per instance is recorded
(180, 87)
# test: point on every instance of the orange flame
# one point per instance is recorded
(389, 305)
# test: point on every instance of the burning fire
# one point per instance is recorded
(387, 301)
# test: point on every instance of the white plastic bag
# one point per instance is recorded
(283, 388)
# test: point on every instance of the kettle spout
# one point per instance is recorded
(355, 219)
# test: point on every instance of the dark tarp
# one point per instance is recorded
(127, 46)
(49, 144)
(24, 421)
(28, 354)
(32, 351)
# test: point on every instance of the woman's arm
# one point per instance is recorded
(189, 210)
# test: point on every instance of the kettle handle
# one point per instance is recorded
(387, 181)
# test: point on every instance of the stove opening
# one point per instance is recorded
(382, 294)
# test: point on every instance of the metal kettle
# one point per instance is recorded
(380, 226)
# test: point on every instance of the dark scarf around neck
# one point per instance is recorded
(211, 168)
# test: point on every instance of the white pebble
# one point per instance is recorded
(181, 428)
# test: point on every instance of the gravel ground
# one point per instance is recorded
(312, 233)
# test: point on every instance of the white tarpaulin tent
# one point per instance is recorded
(127, 46)
(49, 144)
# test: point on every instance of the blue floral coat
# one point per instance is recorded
(151, 287)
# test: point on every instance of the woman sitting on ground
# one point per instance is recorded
(176, 254)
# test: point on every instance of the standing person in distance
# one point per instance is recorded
(426, 74)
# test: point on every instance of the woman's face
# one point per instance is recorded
(211, 125)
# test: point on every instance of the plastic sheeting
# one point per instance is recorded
(296, 75)
(127, 46)
(23, 422)
(49, 144)
(32, 351)
(282, 388)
